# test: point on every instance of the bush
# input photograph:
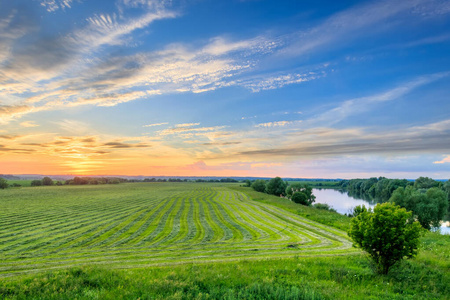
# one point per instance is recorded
(3, 183)
(300, 198)
(259, 185)
(276, 186)
(36, 182)
(300, 188)
(324, 206)
(47, 181)
(387, 234)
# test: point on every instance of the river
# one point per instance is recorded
(343, 203)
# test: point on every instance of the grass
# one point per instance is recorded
(193, 241)
(338, 277)
(128, 225)
(321, 216)
(24, 183)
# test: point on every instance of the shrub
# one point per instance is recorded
(259, 185)
(387, 234)
(324, 206)
(36, 182)
(3, 183)
(276, 186)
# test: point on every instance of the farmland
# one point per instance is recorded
(133, 225)
(192, 240)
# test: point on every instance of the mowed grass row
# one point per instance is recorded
(136, 224)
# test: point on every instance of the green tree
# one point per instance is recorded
(300, 198)
(259, 185)
(300, 188)
(425, 183)
(276, 186)
(446, 188)
(247, 183)
(47, 181)
(357, 210)
(428, 207)
(3, 183)
(387, 234)
(36, 182)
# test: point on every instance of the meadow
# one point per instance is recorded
(192, 240)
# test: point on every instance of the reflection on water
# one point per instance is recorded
(343, 203)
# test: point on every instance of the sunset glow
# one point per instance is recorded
(329, 89)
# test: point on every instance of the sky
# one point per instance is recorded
(310, 89)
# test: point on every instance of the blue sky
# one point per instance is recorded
(227, 88)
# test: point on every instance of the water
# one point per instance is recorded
(343, 203)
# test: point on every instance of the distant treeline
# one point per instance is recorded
(382, 188)
(9, 177)
(426, 198)
(188, 180)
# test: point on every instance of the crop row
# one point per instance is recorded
(133, 225)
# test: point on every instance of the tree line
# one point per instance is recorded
(427, 199)
(297, 192)
(47, 181)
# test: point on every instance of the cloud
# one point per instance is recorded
(98, 63)
(278, 81)
(54, 5)
(155, 124)
(189, 129)
(74, 127)
(430, 138)
(10, 112)
(119, 145)
(359, 105)
(359, 21)
(277, 124)
(28, 124)
(185, 125)
(221, 143)
(443, 161)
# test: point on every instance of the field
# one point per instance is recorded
(140, 224)
(192, 240)
(24, 183)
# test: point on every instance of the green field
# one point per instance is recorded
(139, 224)
(24, 183)
(192, 240)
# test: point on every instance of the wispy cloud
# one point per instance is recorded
(155, 124)
(28, 124)
(184, 125)
(262, 83)
(364, 104)
(189, 128)
(444, 160)
(54, 5)
(277, 124)
(362, 20)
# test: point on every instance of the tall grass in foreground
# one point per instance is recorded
(341, 277)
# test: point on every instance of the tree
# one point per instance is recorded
(276, 186)
(247, 183)
(300, 188)
(387, 234)
(36, 182)
(259, 185)
(428, 207)
(47, 181)
(446, 188)
(300, 198)
(425, 183)
(3, 183)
